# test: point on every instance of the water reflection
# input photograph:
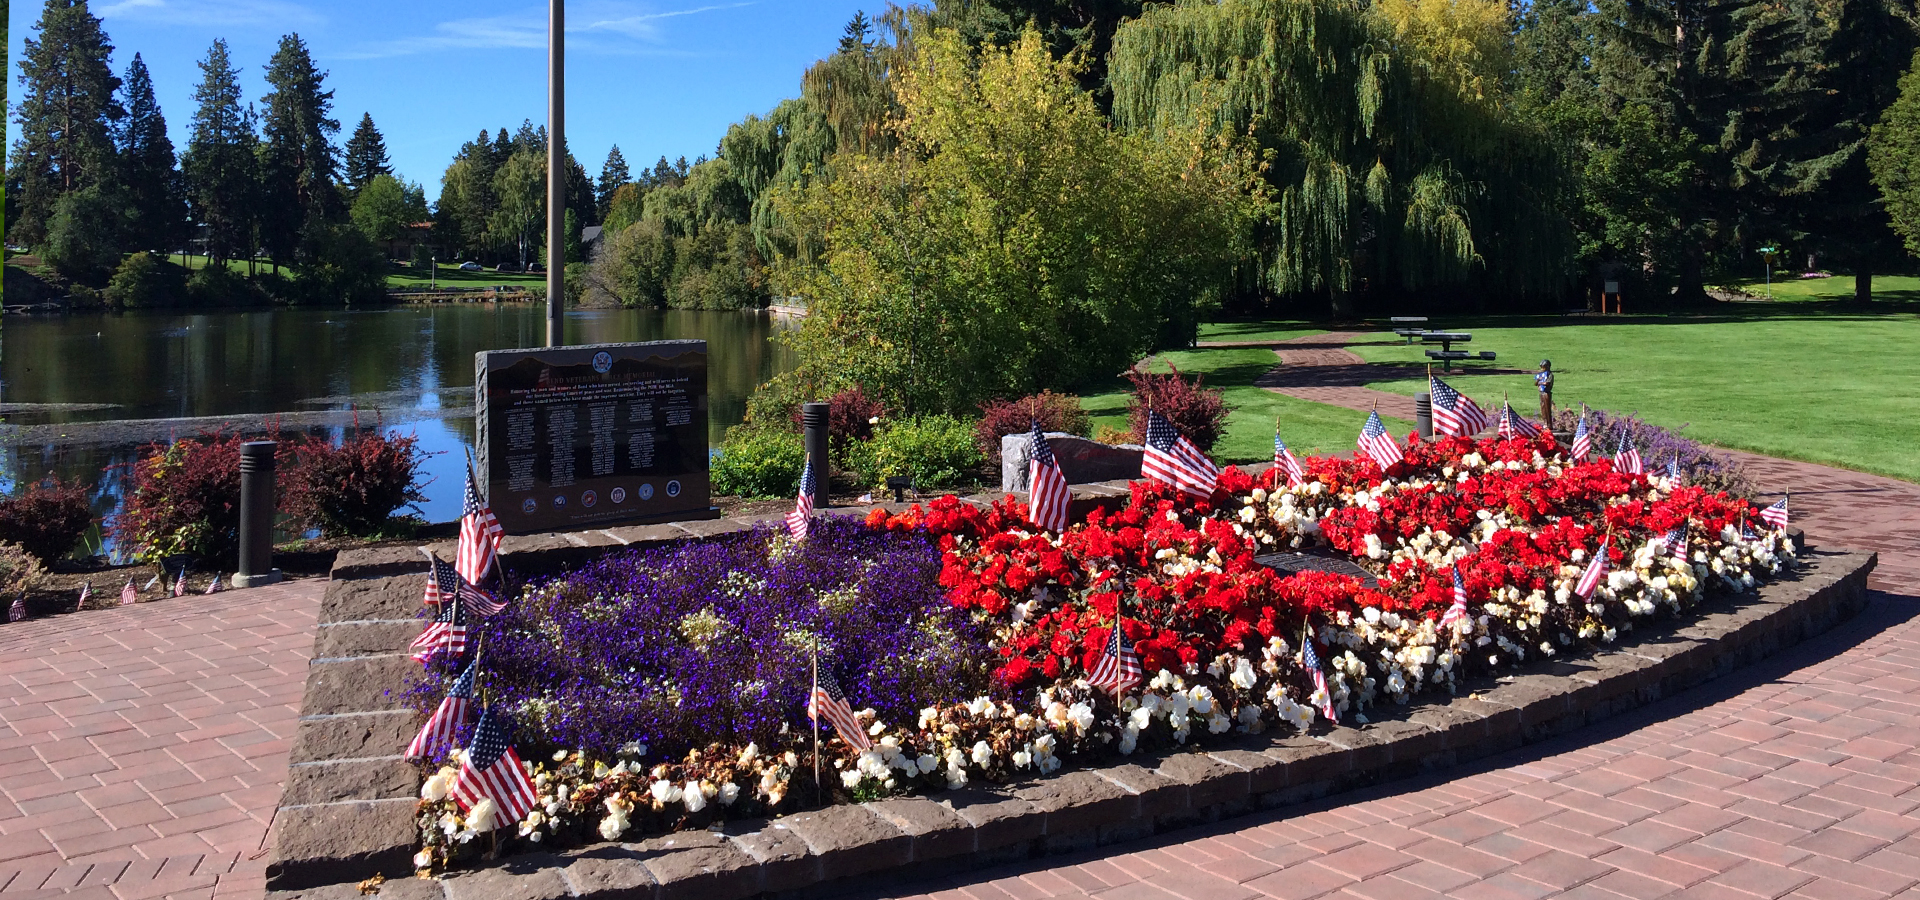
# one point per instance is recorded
(409, 368)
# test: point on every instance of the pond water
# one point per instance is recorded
(82, 394)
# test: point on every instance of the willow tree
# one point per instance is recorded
(1387, 162)
(1011, 240)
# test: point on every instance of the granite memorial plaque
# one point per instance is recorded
(595, 435)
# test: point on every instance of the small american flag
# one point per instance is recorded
(153, 583)
(480, 536)
(1455, 413)
(447, 634)
(1119, 666)
(1596, 571)
(86, 590)
(180, 584)
(1746, 531)
(442, 582)
(480, 601)
(1377, 444)
(830, 701)
(18, 611)
(1288, 463)
(800, 521)
(128, 594)
(1048, 495)
(442, 731)
(493, 771)
(1458, 610)
(1776, 515)
(1675, 542)
(1582, 439)
(1175, 461)
(215, 587)
(1626, 460)
(1513, 425)
(1310, 660)
(1673, 470)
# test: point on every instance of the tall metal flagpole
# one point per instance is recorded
(556, 168)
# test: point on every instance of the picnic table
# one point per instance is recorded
(1409, 327)
(1446, 354)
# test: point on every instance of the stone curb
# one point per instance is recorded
(348, 807)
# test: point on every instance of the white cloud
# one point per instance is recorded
(214, 13)
(586, 32)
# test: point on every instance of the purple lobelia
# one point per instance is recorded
(1699, 465)
(684, 646)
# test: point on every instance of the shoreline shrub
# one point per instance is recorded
(758, 463)
(935, 451)
(354, 488)
(1199, 413)
(47, 519)
(1055, 412)
(185, 500)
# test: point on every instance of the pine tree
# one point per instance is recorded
(1895, 158)
(155, 206)
(66, 114)
(366, 154)
(466, 194)
(579, 192)
(854, 40)
(221, 169)
(298, 169)
(613, 174)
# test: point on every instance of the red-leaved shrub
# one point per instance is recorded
(47, 519)
(354, 488)
(999, 418)
(185, 501)
(1199, 413)
(850, 417)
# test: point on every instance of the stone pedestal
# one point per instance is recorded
(253, 581)
(1083, 461)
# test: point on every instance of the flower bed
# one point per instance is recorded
(667, 690)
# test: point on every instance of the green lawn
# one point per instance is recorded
(1308, 427)
(1828, 388)
(1897, 289)
(450, 276)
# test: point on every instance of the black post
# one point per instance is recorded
(814, 417)
(256, 515)
(1423, 415)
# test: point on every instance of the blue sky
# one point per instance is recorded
(657, 77)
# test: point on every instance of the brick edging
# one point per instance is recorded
(348, 809)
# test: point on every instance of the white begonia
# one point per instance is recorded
(981, 706)
(1022, 758)
(926, 763)
(982, 753)
(1129, 740)
(1243, 677)
(851, 778)
(695, 796)
(1081, 716)
(1201, 698)
(438, 786)
(1140, 718)
(423, 859)
(1058, 714)
(482, 818)
(728, 793)
(665, 792)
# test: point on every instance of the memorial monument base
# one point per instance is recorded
(242, 582)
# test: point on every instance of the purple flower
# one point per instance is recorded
(1698, 465)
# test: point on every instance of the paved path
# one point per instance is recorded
(142, 749)
(1796, 778)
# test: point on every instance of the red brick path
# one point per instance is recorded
(142, 750)
(1796, 778)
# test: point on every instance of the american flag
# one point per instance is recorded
(442, 731)
(447, 633)
(1673, 469)
(493, 771)
(1746, 531)
(1455, 413)
(1048, 496)
(480, 601)
(1675, 542)
(180, 584)
(1582, 439)
(1175, 461)
(1596, 570)
(1377, 444)
(1458, 610)
(1776, 515)
(1288, 463)
(215, 587)
(1513, 425)
(154, 582)
(1626, 460)
(800, 521)
(86, 590)
(128, 594)
(479, 536)
(442, 582)
(1310, 660)
(1119, 666)
(830, 701)
(18, 611)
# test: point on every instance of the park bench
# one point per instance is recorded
(1409, 327)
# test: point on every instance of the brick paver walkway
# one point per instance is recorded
(142, 749)
(1796, 778)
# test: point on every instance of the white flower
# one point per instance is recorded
(437, 787)
(423, 859)
(929, 716)
(695, 797)
(1021, 759)
(851, 778)
(926, 763)
(729, 792)
(1218, 724)
(1202, 698)
(1243, 675)
(481, 819)
(1129, 740)
(874, 421)
(981, 706)
(665, 792)
(1081, 715)
(1140, 719)
(750, 753)
(982, 754)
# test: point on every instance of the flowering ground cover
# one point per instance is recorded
(667, 689)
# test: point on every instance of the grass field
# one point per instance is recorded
(1828, 388)
(397, 278)
(1893, 289)
(1307, 427)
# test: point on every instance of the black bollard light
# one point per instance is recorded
(1423, 415)
(256, 515)
(814, 417)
